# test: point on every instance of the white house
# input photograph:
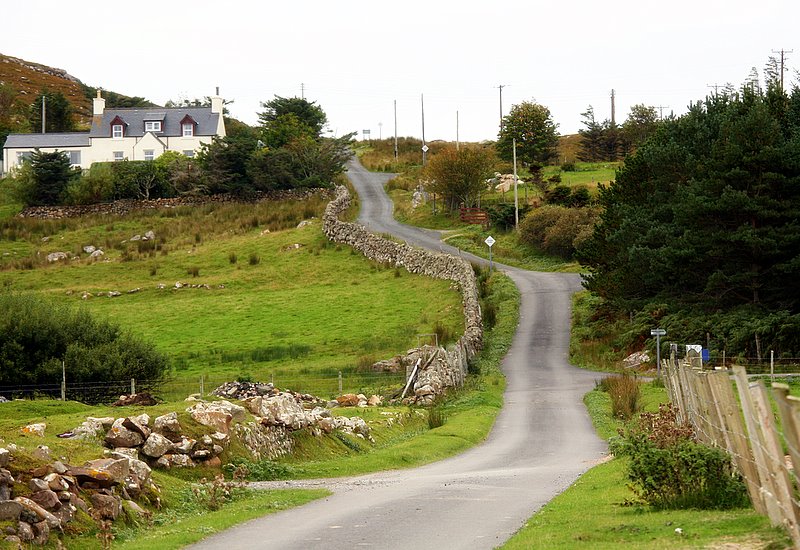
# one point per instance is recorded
(125, 134)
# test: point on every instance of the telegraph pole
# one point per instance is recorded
(44, 111)
(715, 86)
(661, 111)
(501, 86)
(613, 109)
(783, 56)
(395, 130)
(457, 141)
(380, 130)
(424, 145)
(302, 91)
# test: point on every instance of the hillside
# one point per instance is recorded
(28, 79)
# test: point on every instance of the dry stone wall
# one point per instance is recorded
(449, 367)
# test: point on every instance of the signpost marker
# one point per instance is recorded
(658, 333)
(489, 242)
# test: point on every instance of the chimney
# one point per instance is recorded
(98, 105)
(216, 103)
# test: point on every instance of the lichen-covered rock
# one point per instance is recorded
(218, 420)
(116, 468)
(168, 426)
(37, 429)
(10, 510)
(120, 436)
(40, 512)
(47, 499)
(106, 506)
(347, 400)
(156, 445)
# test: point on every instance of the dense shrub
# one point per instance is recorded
(670, 470)
(37, 335)
(625, 395)
(563, 195)
(95, 185)
(557, 230)
(502, 215)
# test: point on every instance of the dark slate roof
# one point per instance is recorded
(171, 126)
(73, 139)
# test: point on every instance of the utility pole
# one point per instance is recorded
(457, 141)
(516, 196)
(380, 130)
(395, 130)
(613, 110)
(302, 91)
(715, 86)
(783, 57)
(44, 111)
(424, 145)
(661, 111)
(501, 86)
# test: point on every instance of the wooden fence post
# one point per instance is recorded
(768, 489)
(773, 452)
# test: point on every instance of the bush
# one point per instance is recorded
(558, 230)
(569, 167)
(37, 335)
(502, 215)
(96, 185)
(625, 395)
(670, 470)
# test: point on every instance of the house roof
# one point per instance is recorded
(207, 121)
(27, 141)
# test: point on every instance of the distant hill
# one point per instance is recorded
(29, 78)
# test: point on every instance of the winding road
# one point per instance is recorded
(541, 442)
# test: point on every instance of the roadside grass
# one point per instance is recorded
(304, 311)
(588, 174)
(592, 339)
(599, 510)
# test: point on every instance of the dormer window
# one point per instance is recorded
(152, 126)
(116, 131)
(188, 129)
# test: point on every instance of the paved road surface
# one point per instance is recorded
(542, 440)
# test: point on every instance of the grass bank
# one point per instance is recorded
(599, 510)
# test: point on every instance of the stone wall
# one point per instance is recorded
(121, 207)
(449, 367)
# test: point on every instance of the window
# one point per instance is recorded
(116, 131)
(188, 129)
(188, 153)
(149, 154)
(118, 156)
(74, 157)
(23, 156)
(152, 126)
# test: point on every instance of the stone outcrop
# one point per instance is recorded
(449, 366)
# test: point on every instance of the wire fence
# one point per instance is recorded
(322, 385)
(746, 425)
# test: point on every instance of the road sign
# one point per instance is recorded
(489, 241)
(425, 148)
(657, 332)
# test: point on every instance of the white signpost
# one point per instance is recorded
(658, 333)
(489, 242)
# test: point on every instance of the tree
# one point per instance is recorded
(642, 121)
(51, 173)
(224, 162)
(58, 113)
(531, 125)
(601, 141)
(307, 112)
(703, 215)
(459, 175)
(285, 129)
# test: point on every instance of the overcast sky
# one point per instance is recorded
(354, 58)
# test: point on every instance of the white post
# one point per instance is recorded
(133, 386)
(202, 389)
(340, 382)
(772, 365)
(63, 381)
(516, 198)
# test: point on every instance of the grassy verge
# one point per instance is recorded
(594, 336)
(598, 510)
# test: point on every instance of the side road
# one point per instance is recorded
(542, 440)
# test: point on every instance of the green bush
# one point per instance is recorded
(557, 230)
(96, 185)
(502, 215)
(625, 395)
(36, 336)
(670, 470)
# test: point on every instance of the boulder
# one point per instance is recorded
(91, 476)
(156, 445)
(374, 401)
(40, 512)
(174, 461)
(36, 429)
(635, 360)
(213, 462)
(327, 425)
(121, 436)
(138, 424)
(55, 482)
(36, 484)
(92, 427)
(106, 506)
(150, 235)
(347, 400)
(25, 531)
(41, 533)
(142, 398)
(5, 457)
(89, 249)
(168, 426)
(136, 509)
(65, 513)
(185, 445)
(41, 452)
(56, 257)
(10, 510)
(47, 499)
(97, 254)
(215, 419)
(279, 410)
(237, 412)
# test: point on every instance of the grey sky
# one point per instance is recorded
(355, 57)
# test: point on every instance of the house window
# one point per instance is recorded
(74, 157)
(188, 129)
(149, 154)
(23, 156)
(188, 153)
(116, 131)
(152, 126)
(119, 155)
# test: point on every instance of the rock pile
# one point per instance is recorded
(58, 493)
(449, 367)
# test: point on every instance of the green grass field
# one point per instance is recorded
(279, 303)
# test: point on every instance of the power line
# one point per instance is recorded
(715, 86)
(661, 110)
